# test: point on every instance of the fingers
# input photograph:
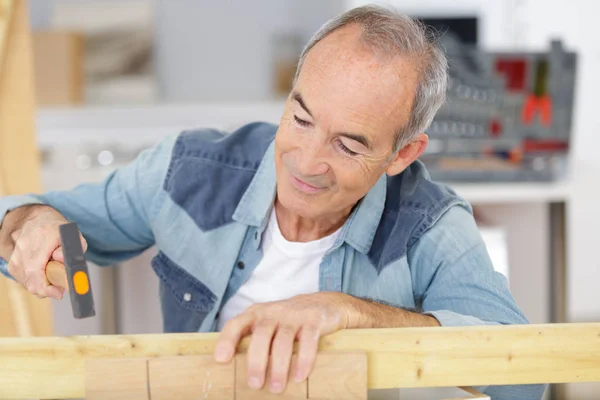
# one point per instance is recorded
(258, 352)
(281, 357)
(230, 336)
(29, 258)
(54, 292)
(307, 352)
(57, 255)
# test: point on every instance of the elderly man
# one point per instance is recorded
(291, 232)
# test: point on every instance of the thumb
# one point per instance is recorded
(57, 255)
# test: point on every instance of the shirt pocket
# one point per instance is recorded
(185, 300)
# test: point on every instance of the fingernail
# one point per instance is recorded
(222, 354)
(254, 383)
(298, 377)
(276, 387)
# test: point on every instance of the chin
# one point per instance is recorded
(297, 203)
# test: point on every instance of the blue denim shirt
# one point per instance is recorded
(203, 198)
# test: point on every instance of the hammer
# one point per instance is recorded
(73, 275)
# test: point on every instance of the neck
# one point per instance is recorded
(296, 228)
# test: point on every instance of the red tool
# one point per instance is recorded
(539, 100)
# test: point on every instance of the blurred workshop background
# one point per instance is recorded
(518, 136)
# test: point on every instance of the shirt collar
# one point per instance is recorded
(359, 230)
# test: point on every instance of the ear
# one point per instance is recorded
(407, 155)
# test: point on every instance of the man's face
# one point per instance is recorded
(337, 132)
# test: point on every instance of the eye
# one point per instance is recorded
(345, 149)
(301, 122)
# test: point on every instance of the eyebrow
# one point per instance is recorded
(352, 136)
(300, 101)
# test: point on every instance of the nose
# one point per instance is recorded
(311, 161)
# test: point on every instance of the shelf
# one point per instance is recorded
(529, 192)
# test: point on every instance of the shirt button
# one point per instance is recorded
(241, 265)
(187, 297)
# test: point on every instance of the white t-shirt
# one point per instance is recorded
(287, 269)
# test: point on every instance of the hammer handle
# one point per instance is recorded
(56, 273)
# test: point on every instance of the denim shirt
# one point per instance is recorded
(203, 198)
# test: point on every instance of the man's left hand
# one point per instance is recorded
(274, 327)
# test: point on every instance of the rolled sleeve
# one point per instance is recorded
(9, 203)
(115, 215)
(449, 318)
(4, 268)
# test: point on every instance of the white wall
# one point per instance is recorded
(222, 50)
(497, 27)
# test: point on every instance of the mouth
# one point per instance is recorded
(305, 187)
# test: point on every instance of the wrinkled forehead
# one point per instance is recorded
(344, 82)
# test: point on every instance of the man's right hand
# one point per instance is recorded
(36, 241)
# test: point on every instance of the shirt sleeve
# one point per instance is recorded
(455, 282)
(114, 216)
(454, 279)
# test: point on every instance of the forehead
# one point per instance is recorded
(344, 81)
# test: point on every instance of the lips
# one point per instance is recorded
(305, 187)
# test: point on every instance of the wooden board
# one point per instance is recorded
(53, 367)
(339, 375)
(19, 161)
(118, 379)
(191, 378)
(293, 391)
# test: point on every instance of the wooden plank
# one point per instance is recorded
(53, 367)
(339, 375)
(6, 8)
(19, 157)
(116, 379)
(190, 378)
(293, 391)
(19, 160)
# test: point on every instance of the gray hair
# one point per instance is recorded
(392, 34)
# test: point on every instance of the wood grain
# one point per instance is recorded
(293, 390)
(191, 378)
(116, 379)
(53, 367)
(339, 375)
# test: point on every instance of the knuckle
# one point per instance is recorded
(231, 325)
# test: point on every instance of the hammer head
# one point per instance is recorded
(80, 290)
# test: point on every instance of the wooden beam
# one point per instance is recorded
(19, 159)
(53, 367)
(6, 7)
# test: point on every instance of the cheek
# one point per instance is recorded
(357, 176)
(351, 176)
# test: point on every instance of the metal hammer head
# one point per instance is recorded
(80, 289)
